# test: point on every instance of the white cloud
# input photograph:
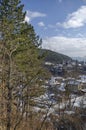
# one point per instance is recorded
(79, 35)
(65, 45)
(76, 19)
(27, 19)
(41, 24)
(31, 15)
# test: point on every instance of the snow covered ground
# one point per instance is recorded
(76, 102)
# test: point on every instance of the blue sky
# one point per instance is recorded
(60, 23)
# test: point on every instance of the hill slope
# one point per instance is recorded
(54, 57)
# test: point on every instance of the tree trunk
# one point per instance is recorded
(9, 110)
(9, 95)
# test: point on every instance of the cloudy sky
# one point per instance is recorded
(60, 23)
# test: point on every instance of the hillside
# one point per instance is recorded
(54, 57)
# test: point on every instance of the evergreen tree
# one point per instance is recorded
(21, 73)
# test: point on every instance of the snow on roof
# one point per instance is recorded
(83, 90)
(73, 82)
(80, 101)
(82, 76)
(69, 112)
(62, 87)
(83, 81)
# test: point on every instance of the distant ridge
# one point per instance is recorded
(54, 57)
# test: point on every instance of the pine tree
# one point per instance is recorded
(21, 73)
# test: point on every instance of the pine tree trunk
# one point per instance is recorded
(9, 95)
(9, 110)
